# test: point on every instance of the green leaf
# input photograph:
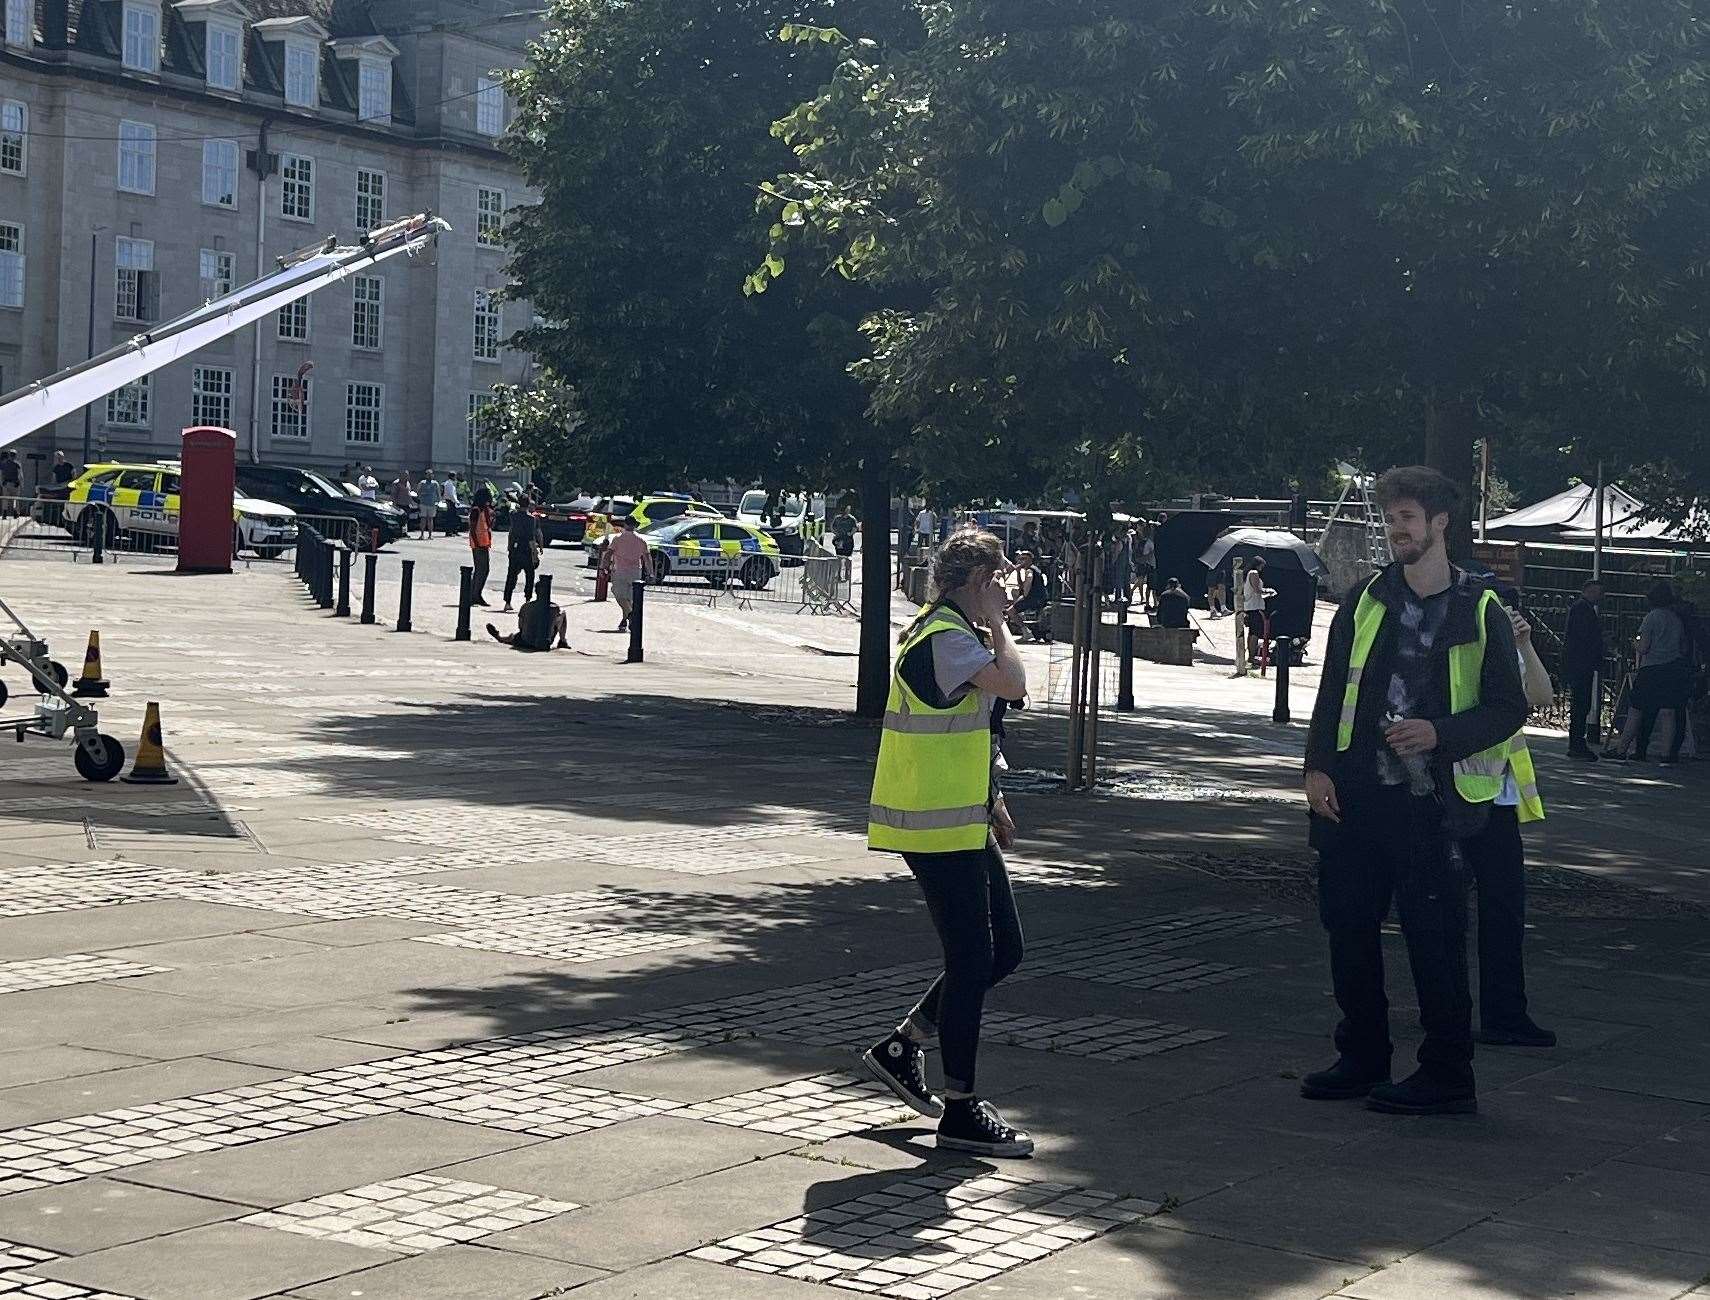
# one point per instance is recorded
(787, 32)
(792, 214)
(1055, 213)
(774, 264)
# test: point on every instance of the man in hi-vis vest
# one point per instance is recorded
(935, 801)
(1415, 734)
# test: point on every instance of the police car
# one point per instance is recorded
(142, 500)
(721, 551)
(648, 512)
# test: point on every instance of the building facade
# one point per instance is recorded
(156, 154)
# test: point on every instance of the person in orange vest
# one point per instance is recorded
(481, 540)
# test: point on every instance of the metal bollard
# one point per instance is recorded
(1285, 656)
(543, 588)
(1125, 668)
(465, 596)
(99, 534)
(370, 563)
(343, 610)
(640, 593)
(405, 583)
(324, 576)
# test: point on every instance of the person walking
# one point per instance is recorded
(936, 802)
(453, 502)
(1412, 737)
(843, 528)
(522, 548)
(628, 561)
(427, 498)
(925, 530)
(1496, 856)
(1582, 661)
(481, 542)
(1664, 679)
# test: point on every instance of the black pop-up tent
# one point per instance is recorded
(1292, 569)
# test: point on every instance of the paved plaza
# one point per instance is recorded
(448, 971)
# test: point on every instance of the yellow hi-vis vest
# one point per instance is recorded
(933, 778)
(1478, 779)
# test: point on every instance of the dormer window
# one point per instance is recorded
(225, 56)
(142, 37)
(374, 87)
(302, 73)
(18, 22)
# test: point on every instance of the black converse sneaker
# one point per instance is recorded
(970, 1124)
(900, 1065)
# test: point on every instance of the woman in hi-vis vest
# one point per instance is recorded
(936, 802)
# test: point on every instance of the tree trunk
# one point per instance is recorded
(1450, 438)
(873, 675)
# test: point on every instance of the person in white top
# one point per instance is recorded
(925, 528)
(368, 485)
(451, 503)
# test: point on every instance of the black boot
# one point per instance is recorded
(1426, 1093)
(1343, 1081)
(1524, 1032)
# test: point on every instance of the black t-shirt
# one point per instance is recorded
(1172, 609)
(64, 473)
(1414, 690)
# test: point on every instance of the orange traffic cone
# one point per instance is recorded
(91, 685)
(150, 767)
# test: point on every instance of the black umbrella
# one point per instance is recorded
(1281, 549)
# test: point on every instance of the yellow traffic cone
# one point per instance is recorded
(150, 767)
(91, 685)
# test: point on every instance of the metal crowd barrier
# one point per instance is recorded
(819, 582)
(48, 527)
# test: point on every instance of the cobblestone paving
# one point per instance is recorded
(818, 1109)
(18, 1283)
(1135, 954)
(559, 940)
(1103, 1038)
(70, 968)
(545, 1109)
(929, 1235)
(410, 1215)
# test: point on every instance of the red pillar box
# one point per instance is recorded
(206, 486)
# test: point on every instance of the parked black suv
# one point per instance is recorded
(313, 495)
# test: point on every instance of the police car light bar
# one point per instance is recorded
(41, 403)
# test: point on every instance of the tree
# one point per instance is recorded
(1193, 235)
(541, 426)
(645, 126)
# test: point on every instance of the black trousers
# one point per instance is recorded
(1390, 847)
(482, 558)
(1666, 687)
(519, 559)
(1580, 699)
(1497, 860)
(973, 910)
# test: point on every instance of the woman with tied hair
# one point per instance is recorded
(935, 801)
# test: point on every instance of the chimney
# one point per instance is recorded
(54, 24)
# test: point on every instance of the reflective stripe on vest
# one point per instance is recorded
(933, 777)
(1480, 778)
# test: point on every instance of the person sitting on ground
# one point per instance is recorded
(541, 625)
(1173, 605)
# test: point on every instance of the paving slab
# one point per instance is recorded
(125, 925)
(1686, 1148)
(216, 950)
(222, 1261)
(35, 1064)
(456, 1273)
(1506, 1261)
(306, 1053)
(281, 1170)
(350, 934)
(1307, 1211)
(1145, 1263)
(718, 1071)
(96, 1213)
(131, 1085)
(636, 1230)
(85, 1013)
(246, 1027)
(686, 1278)
(607, 1164)
(1629, 1203)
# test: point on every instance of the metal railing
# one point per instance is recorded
(52, 528)
(817, 582)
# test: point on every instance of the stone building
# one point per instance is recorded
(157, 153)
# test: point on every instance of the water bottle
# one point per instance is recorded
(1417, 766)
